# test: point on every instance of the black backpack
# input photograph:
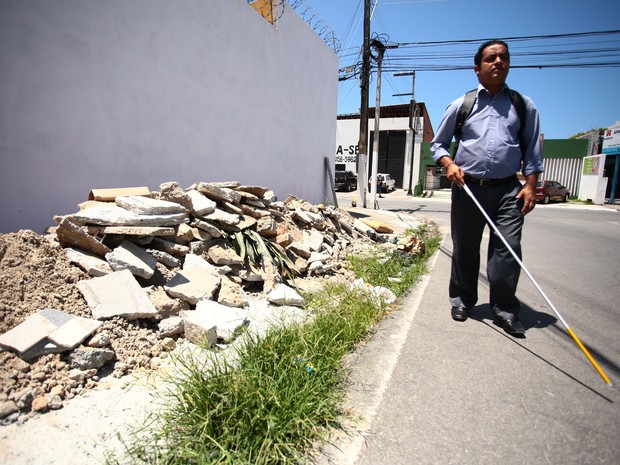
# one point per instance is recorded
(468, 105)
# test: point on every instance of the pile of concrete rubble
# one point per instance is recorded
(180, 258)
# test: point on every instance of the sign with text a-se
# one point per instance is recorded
(346, 153)
(611, 141)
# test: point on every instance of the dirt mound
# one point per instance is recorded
(36, 274)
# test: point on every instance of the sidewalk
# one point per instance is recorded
(429, 390)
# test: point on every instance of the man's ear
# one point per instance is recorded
(476, 69)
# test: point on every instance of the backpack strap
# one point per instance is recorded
(519, 104)
(464, 111)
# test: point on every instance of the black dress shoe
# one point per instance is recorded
(512, 327)
(459, 313)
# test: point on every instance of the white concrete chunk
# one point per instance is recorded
(208, 227)
(71, 235)
(65, 331)
(313, 239)
(90, 263)
(197, 329)
(227, 320)
(109, 214)
(318, 257)
(148, 206)
(285, 295)
(201, 205)
(129, 256)
(193, 285)
(117, 294)
(223, 217)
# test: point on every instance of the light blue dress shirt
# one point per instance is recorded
(489, 146)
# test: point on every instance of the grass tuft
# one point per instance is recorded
(279, 394)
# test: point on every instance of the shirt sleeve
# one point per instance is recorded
(440, 145)
(532, 159)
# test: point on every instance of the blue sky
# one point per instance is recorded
(569, 100)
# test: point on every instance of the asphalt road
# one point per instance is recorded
(428, 390)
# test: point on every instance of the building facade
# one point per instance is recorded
(401, 136)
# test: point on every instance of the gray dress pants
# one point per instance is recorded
(467, 226)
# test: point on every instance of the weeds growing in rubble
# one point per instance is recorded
(279, 394)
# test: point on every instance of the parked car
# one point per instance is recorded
(551, 190)
(345, 180)
(387, 182)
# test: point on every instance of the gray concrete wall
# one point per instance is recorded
(117, 93)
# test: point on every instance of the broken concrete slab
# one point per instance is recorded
(200, 204)
(49, 331)
(164, 258)
(131, 230)
(285, 295)
(148, 206)
(262, 316)
(117, 294)
(172, 326)
(217, 193)
(107, 214)
(71, 235)
(231, 294)
(178, 250)
(223, 253)
(129, 256)
(223, 217)
(314, 239)
(193, 285)
(90, 263)
(197, 328)
(258, 191)
(196, 261)
(226, 320)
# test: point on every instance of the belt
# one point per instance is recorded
(489, 182)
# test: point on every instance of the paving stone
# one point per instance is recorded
(48, 331)
(117, 294)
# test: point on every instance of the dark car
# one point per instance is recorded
(551, 190)
(345, 180)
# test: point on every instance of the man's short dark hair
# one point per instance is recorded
(488, 43)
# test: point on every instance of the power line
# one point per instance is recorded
(600, 49)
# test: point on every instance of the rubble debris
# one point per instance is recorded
(148, 270)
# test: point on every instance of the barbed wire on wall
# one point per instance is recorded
(272, 10)
(314, 20)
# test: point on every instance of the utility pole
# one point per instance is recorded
(362, 157)
(375, 145)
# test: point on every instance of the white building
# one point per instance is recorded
(134, 93)
(399, 148)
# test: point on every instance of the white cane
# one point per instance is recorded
(570, 331)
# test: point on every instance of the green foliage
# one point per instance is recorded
(277, 395)
(252, 248)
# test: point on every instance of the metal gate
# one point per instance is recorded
(391, 154)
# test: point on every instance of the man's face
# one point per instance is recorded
(494, 66)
